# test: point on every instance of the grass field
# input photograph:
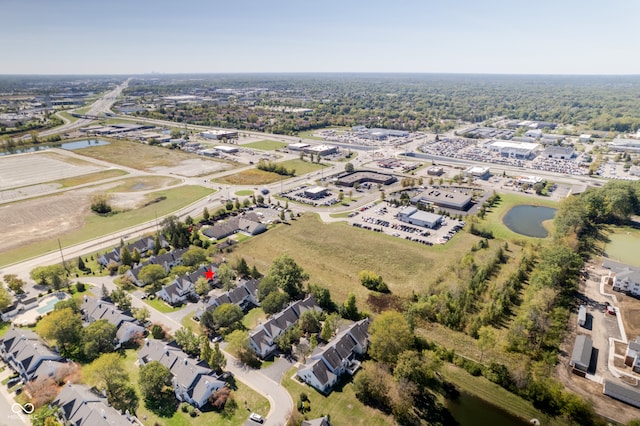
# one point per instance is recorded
(89, 178)
(333, 255)
(68, 116)
(244, 193)
(253, 318)
(250, 177)
(144, 183)
(138, 155)
(341, 405)
(244, 396)
(493, 219)
(265, 145)
(302, 167)
(96, 226)
(159, 305)
(622, 246)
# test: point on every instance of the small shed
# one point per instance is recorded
(581, 355)
(582, 315)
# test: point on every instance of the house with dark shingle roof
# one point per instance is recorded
(182, 288)
(25, 353)
(143, 246)
(621, 392)
(322, 421)
(248, 223)
(166, 260)
(193, 381)
(262, 338)
(94, 309)
(338, 357)
(77, 405)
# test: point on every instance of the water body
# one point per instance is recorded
(469, 410)
(527, 220)
(67, 145)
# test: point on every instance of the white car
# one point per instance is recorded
(256, 417)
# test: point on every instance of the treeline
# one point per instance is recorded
(269, 166)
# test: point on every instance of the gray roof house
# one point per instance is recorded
(94, 309)
(336, 358)
(244, 295)
(248, 223)
(322, 421)
(193, 381)
(621, 392)
(166, 260)
(262, 337)
(183, 287)
(581, 355)
(77, 405)
(143, 246)
(25, 353)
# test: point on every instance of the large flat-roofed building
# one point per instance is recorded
(420, 218)
(220, 134)
(299, 146)
(621, 392)
(226, 149)
(443, 198)
(361, 177)
(511, 149)
(620, 144)
(559, 152)
(321, 149)
(478, 172)
(435, 171)
(315, 192)
(379, 134)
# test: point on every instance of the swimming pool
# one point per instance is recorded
(48, 306)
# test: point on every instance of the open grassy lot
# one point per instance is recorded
(622, 245)
(265, 145)
(302, 167)
(493, 220)
(161, 306)
(250, 177)
(92, 177)
(333, 255)
(341, 405)
(140, 156)
(144, 183)
(95, 226)
(244, 193)
(244, 396)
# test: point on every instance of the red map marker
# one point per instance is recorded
(209, 274)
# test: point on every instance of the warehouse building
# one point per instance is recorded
(220, 134)
(443, 198)
(350, 179)
(520, 150)
(226, 149)
(420, 218)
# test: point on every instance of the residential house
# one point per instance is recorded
(621, 392)
(77, 405)
(632, 356)
(262, 338)
(166, 260)
(94, 309)
(25, 353)
(322, 421)
(624, 278)
(329, 362)
(248, 223)
(244, 295)
(193, 381)
(144, 246)
(581, 355)
(183, 288)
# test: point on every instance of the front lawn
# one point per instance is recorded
(161, 306)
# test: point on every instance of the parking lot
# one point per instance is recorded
(383, 218)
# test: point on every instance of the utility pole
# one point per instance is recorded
(62, 256)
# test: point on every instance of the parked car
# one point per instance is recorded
(256, 418)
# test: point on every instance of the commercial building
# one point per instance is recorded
(220, 134)
(378, 134)
(316, 192)
(521, 150)
(559, 152)
(226, 149)
(300, 146)
(321, 149)
(443, 198)
(435, 171)
(350, 179)
(419, 217)
(478, 172)
(622, 145)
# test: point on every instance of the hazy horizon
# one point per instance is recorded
(495, 37)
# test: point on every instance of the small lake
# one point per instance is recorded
(527, 220)
(66, 145)
(469, 410)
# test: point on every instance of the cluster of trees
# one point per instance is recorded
(100, 203)
(270, 166)
(372, 281)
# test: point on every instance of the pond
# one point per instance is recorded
(470, 410)
(527, 220)
(67, 145)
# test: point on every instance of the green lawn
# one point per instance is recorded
(91, 177)
(250, 177)
(246, 398)
(244, 193)
(253, 318)
(161, 306)
(96, 226)
(68, 116)
(622, 246)
(266, 145)
(493, 219)
(302, 167)
(341, 405)
(4, 327)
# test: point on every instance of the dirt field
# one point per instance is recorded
(192, 167)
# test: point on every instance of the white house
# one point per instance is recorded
(632, 356)
(624, 278)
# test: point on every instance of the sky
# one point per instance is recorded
(255, 36)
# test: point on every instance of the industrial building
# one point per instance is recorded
(622, 145)
(350, 179)
(220, 134)
(521, 150)
(559, 152)
(226, 149)
(378, 134)
(419, 217)
(443, 198)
